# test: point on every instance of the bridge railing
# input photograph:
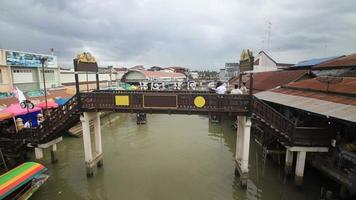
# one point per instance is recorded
(164, 101)
(287, 130)
(275, 119)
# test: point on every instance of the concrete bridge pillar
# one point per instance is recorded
(289, 162)
(301, 156)
(243, 148)
(91, 158)
(41, 147)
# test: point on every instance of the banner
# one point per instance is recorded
(15, 58)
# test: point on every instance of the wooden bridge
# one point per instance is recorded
(169, 102)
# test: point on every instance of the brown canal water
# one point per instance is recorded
(171, 157)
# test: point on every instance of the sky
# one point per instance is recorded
(198, 34)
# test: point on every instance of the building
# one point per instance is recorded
(87, 80)
(24, 70)
(139, 76)
(194, 75)
(330, 104)
(230, 70)
(263, 62)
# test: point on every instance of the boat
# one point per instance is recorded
(22, 181)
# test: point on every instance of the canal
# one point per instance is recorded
(170, 157)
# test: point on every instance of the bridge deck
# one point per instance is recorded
(175, 102)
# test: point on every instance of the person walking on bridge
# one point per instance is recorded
(220, 88)
(236, 90)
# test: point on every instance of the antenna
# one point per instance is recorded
(269, 27)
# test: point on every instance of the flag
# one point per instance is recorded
(19, 95)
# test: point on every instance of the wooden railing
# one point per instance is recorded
(273, 118)
(311, 136)
(164, 102)
(285, 129)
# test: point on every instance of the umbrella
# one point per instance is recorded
(16, 109)
(5, 115)
(60, 101)
(50, 104)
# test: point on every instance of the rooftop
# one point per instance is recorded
(314, 61)
(337, 100)
(341, 62)
(268, 80)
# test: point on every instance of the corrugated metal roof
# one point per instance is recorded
(341, 62)
(267, 80)
(314, 61)
(311, 104)
(342, 85)
(348, 100)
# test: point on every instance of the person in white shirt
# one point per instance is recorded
(220, 88)
(27, 124)
(244, 88)
(236, 90)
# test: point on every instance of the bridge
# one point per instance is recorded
(85, 106)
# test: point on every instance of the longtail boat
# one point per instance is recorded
(22, 181)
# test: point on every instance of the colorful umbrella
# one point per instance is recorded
(50, 104)
(16, 109)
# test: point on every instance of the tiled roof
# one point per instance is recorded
(267, 80)
(341, 62)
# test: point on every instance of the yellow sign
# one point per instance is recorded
(199, 101)
(245, 55)
(86, 57)
(122, 100)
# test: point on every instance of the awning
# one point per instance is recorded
(50, 104)
(16, 109)
(5, 115)
(61, 101)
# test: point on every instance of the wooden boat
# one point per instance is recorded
(22, 181)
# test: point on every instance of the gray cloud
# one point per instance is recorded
(193, 33)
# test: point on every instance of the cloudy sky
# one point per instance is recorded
(199, 34)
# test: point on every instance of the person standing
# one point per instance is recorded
(27, 124)
(236, 90)
(220, 88)
(243, 88)
(39, 120)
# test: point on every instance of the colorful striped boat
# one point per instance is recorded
(22, 181)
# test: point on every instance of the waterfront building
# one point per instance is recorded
(24, 70)
(329, 105)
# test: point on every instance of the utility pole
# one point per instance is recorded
(43, 60)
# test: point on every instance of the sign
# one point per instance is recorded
(85, 62)
(246, 61)
(15, 58)
(159, 101)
